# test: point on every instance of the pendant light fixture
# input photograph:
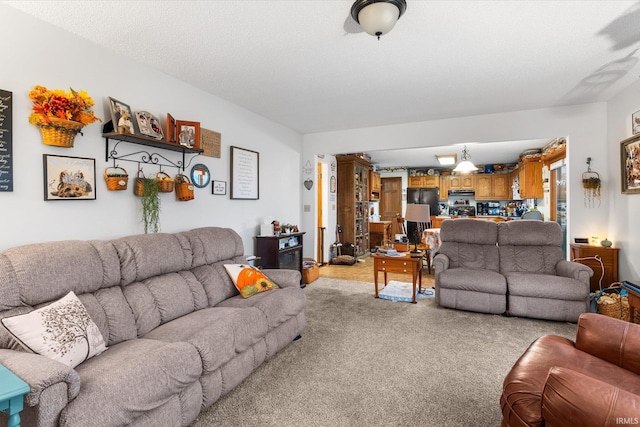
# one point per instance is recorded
(377, 17)
(465, 165)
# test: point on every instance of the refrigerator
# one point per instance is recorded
(422, 196)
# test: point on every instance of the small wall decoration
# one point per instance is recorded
(308, 167)
(188, 133)
(121, 117)
(332, 184)
(219, 188)
(591, 184)
(630, 165)
(171, 130)
(200, 175)
(635, 123)
(308, 184)
(149, 125)
(211, 143)
(245, 174)
(6, 141)
(69, 178)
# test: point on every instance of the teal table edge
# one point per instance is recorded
(12, 391)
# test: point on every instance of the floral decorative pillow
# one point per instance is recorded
(249, 280)
(61, 331)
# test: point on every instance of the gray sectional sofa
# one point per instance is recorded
(516, 268)
(179, 335)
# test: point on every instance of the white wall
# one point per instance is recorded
(34, 53)
(583, 125)
(624, 209)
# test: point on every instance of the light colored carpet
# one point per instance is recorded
(370, 362)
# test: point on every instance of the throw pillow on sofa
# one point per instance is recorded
(61, 331)
(249, 280)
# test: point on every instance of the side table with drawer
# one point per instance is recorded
(12, 391)
(609, 257)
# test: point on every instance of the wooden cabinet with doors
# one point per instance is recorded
(492, 187)
(425, 181)
(461, 182)
(353, 203)
(374, 185)
(530, 178)
(444, 187)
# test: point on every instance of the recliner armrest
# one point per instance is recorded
(440, 263)
(572, 398)
(574, 270)
(283, 277)
(40, 373)
(613, 340)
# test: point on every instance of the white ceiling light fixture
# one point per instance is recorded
(465, 165)
(446, 159)
(377, 17)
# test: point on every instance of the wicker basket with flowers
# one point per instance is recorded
(60, 115)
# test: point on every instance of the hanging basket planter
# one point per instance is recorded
(59, 132)
(591, 184)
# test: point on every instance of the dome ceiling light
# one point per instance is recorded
(465, 165)
(377, 17)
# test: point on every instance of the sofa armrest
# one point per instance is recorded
(440, 263)
(613, 340)
(283, 277)
(41, 373)
(570, 398)
(574, 270)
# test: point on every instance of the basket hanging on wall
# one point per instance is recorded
(591, 184)
(59, 132)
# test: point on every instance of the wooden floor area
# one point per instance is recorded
(362, 271)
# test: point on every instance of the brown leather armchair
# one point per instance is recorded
(592, 382)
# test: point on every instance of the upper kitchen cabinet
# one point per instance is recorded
(374, 185)
(492, 187)
(444, 187)
(461, 182)
(530, 178)
(426, 181)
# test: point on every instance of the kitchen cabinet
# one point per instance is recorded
(609, 257)
(374, 185)
(426, 181)
(444, 187)
(530, 178)
(492, 187)
(461, 182)
(353, 203)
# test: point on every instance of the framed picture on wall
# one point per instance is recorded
(219, 188)
(170, 135)
(245, 174)
(635, 123)
(630, 165)
(69, 178)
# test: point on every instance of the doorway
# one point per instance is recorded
(391, 202)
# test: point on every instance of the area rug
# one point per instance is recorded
(401, 291)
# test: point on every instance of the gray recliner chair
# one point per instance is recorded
(541, 283)
(467, 275)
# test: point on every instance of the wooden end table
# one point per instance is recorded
(399, 264)
(634, 301)
(12, 390)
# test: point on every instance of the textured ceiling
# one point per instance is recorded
(308, 65)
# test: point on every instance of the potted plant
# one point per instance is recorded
(60, 115)
(591, 187)
(150, 202)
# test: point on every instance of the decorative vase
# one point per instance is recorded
(59, 132)
(606, 243)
